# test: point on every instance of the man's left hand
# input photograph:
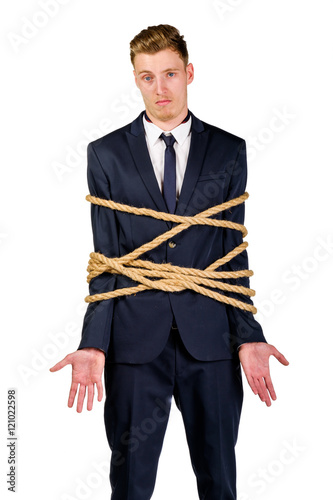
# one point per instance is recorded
(254, 358)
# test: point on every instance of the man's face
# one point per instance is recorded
(162, 80)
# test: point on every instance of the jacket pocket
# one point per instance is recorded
(211, 177)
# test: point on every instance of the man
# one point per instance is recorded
(155, 344)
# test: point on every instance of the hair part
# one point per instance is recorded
(156, 38)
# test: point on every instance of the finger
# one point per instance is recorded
(72, 394)
(263, 393)
(254, 386)
(270, 388)
(61, 364)
(259, 389)
(251, 383)
(99, 386)
(80, 398)
(90, 400)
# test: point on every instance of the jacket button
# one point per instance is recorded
(172, 244)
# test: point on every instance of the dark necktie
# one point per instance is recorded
(169, 183)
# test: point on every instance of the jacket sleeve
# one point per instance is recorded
(97, 321)
(243, 326)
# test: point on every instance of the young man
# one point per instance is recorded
(156, 343)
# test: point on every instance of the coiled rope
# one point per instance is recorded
(172, 278)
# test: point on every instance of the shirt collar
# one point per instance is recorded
(180, 132)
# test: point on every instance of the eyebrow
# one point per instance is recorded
(164, 71)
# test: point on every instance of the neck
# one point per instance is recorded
(169, 124)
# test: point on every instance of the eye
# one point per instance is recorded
(147, 78)
(171, 74)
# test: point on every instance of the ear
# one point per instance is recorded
(135, 78)
(190, 73)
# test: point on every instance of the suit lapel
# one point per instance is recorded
(199, 141)
(138, 147)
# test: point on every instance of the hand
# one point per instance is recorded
(87, 368)
(254, 357)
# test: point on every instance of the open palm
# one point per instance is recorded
(87, 368)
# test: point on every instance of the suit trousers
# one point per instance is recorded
(209, 395)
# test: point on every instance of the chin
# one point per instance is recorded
(166, 114)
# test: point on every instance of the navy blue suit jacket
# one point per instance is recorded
(135, 328)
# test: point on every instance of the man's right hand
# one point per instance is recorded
(87, 368)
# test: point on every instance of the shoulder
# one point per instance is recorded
(222, 134)
(217, 134)
(110, 140)
(221, 141)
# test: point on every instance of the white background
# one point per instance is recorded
(262, 72)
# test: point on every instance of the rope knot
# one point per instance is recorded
(168, 277)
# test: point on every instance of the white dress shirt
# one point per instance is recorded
(156, 147)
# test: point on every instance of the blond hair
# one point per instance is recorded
(156, 38)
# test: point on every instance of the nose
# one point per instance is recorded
(161, 86)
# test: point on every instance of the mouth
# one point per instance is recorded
(163, 102)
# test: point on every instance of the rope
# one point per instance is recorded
(165, 276)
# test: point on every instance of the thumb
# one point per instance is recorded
(64, 362)
(280, 357)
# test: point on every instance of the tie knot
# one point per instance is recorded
(168, 139)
